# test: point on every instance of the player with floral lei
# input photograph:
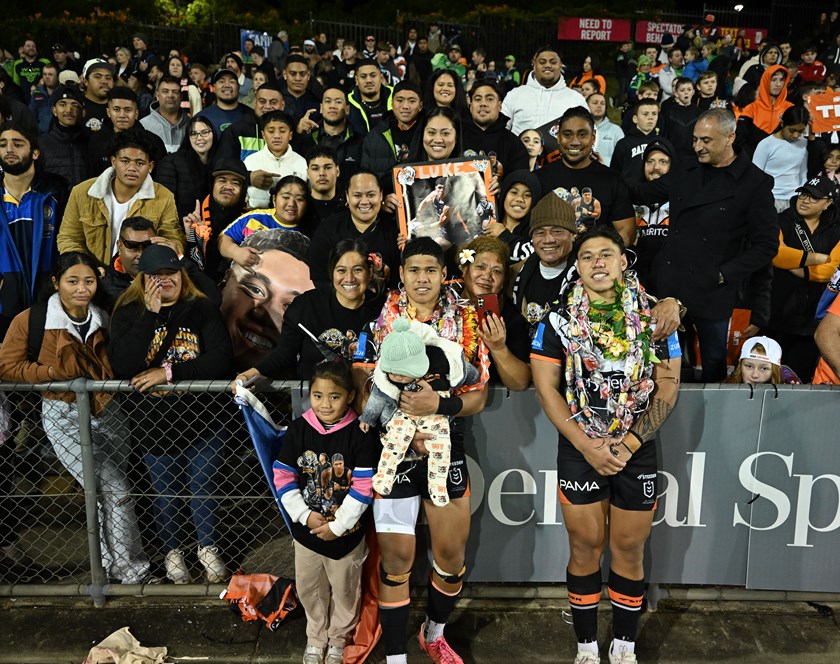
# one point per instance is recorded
(608, 388)
(425, 298)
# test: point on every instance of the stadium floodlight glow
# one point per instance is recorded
(738, 8)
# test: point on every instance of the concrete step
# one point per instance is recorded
(481, 631)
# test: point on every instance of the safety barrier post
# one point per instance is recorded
(98, 579)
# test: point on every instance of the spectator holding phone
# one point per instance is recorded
(502, 327)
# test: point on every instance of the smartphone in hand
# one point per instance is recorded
(487, 304)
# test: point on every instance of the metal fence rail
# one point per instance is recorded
(80, 494)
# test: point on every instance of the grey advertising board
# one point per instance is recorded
(749, 488)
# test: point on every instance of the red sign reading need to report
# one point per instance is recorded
(593, 29)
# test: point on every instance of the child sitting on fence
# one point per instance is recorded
(413, 351)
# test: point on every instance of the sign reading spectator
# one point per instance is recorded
(825, 112)
(593, 29)
(648, 32)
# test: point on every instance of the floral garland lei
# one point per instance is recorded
(447, 319)
(600, 332)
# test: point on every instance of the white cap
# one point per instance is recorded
(97, 63)
(772, 350)
(68, 76)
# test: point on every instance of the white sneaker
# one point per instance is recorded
(135, 572)
(623, 657)
(176, 567)
(335, 655)
(587, 658)
(214, 566)
(313, 655)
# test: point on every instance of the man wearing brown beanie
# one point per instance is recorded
(540, 278)
(538, 281)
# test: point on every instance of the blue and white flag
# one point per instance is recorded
(266, 436)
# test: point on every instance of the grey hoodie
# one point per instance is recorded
(171, 135)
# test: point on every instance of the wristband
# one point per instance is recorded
(450, 406)
(637, 437)
(167, 367)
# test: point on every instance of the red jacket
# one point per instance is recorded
(813, 73)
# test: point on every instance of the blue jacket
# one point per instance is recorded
(26, 271)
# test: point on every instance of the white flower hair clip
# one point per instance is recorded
(466, 256)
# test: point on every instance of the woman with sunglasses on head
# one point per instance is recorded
(165, 330)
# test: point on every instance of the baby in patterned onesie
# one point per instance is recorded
(412, 351)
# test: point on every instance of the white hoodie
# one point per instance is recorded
(531, 105)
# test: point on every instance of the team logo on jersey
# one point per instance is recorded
(647, 489)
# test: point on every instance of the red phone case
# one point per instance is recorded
(487, 303)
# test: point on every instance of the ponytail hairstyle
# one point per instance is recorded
(793, 116)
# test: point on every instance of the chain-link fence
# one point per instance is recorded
(100, 486)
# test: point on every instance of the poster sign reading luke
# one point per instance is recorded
(445, 200)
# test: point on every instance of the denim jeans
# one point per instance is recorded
(196, 468)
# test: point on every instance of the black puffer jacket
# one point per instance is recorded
(64, 152)
(183, 173)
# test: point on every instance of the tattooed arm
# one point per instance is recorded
(666, 375)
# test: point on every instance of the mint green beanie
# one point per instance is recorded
(402, 352)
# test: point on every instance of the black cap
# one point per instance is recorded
(70, 92)
(223, 72)
(659, 145)
(158, 257)
(58, 47)
(819, 187)
(405, 84)
(231, 166)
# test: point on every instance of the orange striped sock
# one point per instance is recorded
(626, 596)
(584, 596)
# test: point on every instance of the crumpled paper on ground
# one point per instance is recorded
(122, 648)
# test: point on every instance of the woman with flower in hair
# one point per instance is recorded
(483, 262)
(425, 299)
(608, 389)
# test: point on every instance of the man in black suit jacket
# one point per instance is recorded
(723, 229)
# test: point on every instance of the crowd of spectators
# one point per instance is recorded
(238, 218)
